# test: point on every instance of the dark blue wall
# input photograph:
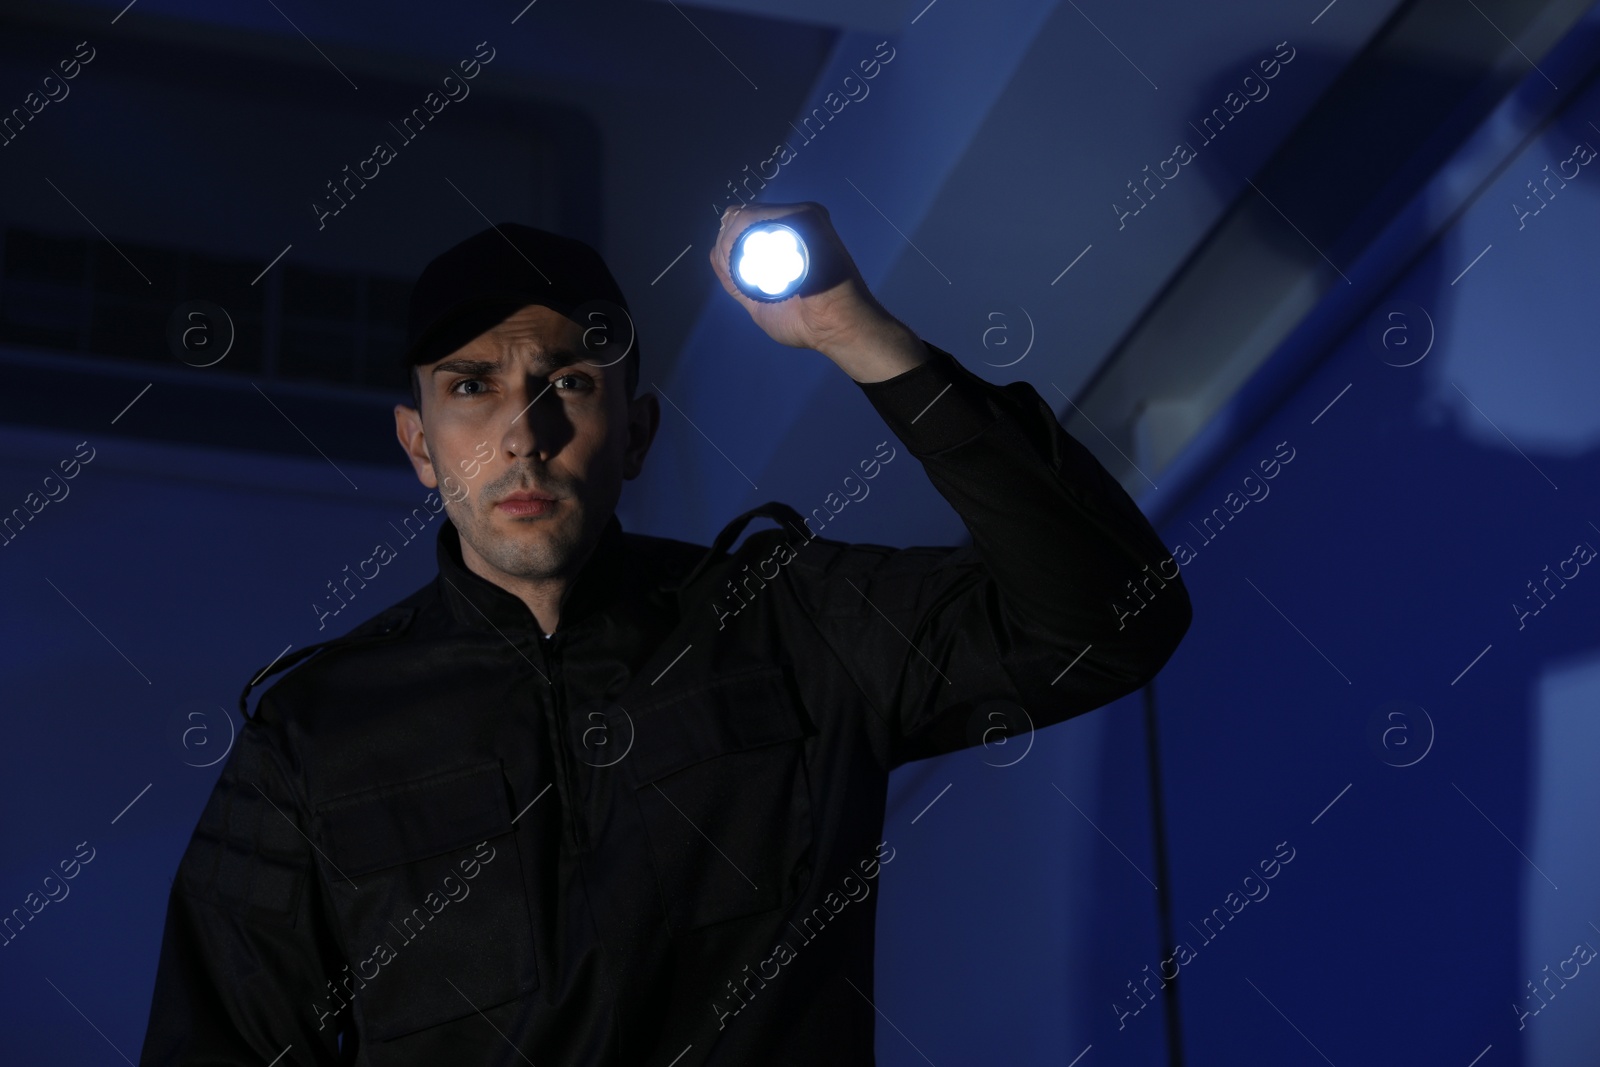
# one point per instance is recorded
(1357, 643)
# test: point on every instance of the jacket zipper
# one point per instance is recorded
(549, 649)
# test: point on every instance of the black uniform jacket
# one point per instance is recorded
(650, 837)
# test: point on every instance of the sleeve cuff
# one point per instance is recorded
(935, 405)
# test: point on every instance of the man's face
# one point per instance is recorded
(524, 409)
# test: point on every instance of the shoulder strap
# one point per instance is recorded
(772, 509)
(395, 620)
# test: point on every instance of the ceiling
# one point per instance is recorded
(982, 179)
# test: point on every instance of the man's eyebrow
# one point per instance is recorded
(547, 362)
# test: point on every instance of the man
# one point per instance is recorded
(594, 797)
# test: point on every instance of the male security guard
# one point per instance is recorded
(561, 806)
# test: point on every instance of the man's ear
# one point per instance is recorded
(644, 416)
(408, 428)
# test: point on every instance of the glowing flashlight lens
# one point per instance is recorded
(771, 260)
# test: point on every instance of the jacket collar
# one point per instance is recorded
(477, 603)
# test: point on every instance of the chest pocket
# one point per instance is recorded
(428, 891)
(719, 772)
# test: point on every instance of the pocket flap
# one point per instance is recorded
(727, 715)
(398, 824)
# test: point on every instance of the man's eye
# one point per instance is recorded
(575, 383)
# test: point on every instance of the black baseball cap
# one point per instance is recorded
(475, 285)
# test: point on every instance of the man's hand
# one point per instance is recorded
(845, 323)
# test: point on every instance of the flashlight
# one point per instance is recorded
(772, 260)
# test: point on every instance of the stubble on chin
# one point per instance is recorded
(513, 550)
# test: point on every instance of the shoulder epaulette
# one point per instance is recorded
(385, 624)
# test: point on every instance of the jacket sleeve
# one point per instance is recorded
(1064, 601)
(247, 954)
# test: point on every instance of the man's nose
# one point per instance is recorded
(539, 426)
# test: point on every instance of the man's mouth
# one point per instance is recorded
(526, 503)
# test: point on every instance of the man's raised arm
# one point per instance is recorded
(1066, 599)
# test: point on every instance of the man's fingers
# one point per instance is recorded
(719, 267)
